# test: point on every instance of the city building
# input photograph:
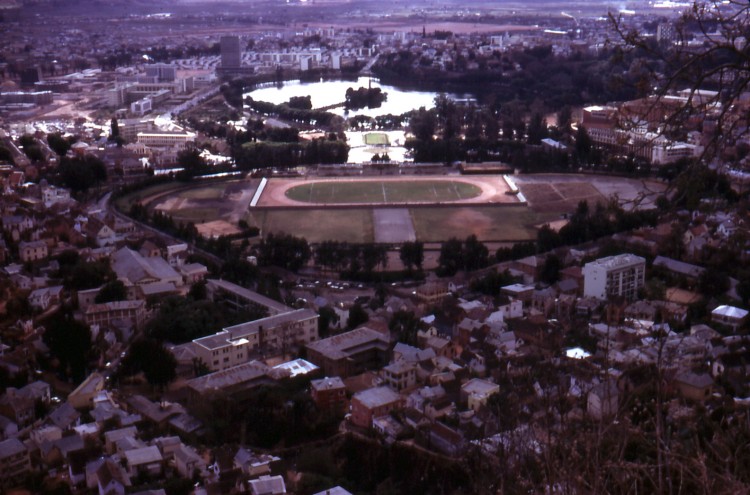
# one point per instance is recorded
(329, 395)
(351, 352)
(476, 392)
(231, 54)
(620, 275)
(235, 345)
(373, 403)
(15, 463)
(730, 316)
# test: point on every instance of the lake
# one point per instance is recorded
(324, 93)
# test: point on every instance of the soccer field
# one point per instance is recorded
(361, 192)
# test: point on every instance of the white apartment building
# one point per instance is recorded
(620, 275)
(234, 345)
(178, 140)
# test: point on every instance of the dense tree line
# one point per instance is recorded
(353, 261)
(364, 98)
(254, 155)
(455, 255)
(79, 174)
(287, 112)
(284, 250)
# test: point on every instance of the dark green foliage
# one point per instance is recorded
(412, 254)
(192, 163)
(112, 291)
(455, 255)
(475, 254)
(551, 269)
(82, 275)
(153, 359)
(59, 144)
(357, 316)
(404, 325)
(5, 155)
(451, 257)
(364, 97)
(70, 342)
(300, 102)
(285, 251)
(286, 112)
(81, 173)
(490, 283)
(272, 154)
(327, 316)
(181, 319)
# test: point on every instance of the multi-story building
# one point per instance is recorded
(351, 352)
(15, 463)
(235, 345)
(231, 54)
(373, 403)
(107, 313)
(329, 395)
(620, 275)
(399, 375)
(241, 299)
(179, 140)
(162, 72)
(32, 251)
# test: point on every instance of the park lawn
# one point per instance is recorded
(315, 225)
(489, 223)
(376, 139)
(358, 192)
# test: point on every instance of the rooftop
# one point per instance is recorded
(342, 345)
(378, 396)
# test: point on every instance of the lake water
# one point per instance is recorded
(326, 93)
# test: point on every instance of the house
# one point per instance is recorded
(477, 391)
(64, 417)
(18, 408)
(268, 485)
(329, 395)
(32, 251)
(44, 297)
(697, 387)
(187, 461)
(111, 437)
(372, 403)
(399, 375)
(15, 462)
(253, 464)
(192, 272)
(441, 438)
(729, 316)
(57, 452)
(111, 479)
(144, 460)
